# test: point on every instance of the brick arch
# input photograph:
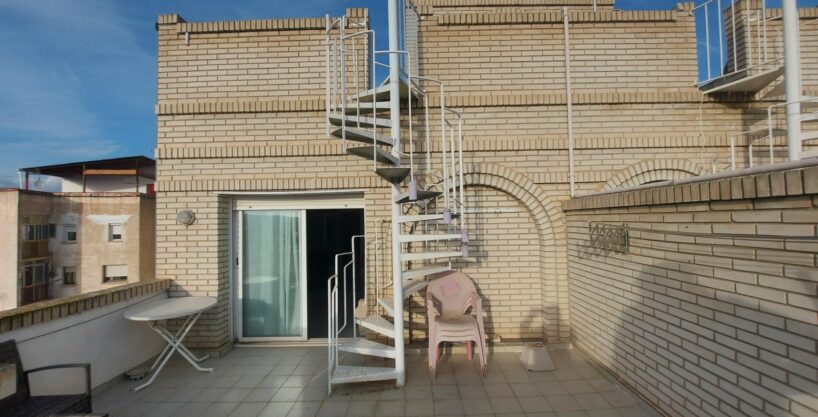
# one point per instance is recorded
(651, 170)
(548, 217)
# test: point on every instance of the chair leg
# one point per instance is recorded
(433, 356)
(469, 352)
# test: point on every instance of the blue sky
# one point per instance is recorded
(78, 77)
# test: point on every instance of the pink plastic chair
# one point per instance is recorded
(449, 297)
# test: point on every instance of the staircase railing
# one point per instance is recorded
(334, 324)
(773, 132)
(736, 40)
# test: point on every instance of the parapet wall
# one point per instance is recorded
(711, 310)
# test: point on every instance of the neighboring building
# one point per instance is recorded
(96, 233)
(243, 141)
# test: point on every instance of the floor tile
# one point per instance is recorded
(506, 405)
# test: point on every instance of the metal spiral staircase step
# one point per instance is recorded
(393, 175)
(363, 346)
(736, 83)
(374, 152)
(378, 324)
(359, 121)
(805, 136)
(412, 286)
(428, 237)
(420, 256)
(344, 374)
(423, 217)
(364, 108)
(425, 270)
(422, 195)
(364, 136)
(381, 93)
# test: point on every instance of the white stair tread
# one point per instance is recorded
(364, 107)
(748, 84)
(378, 324)
(381, 93)
(413, 285)
(810, 117)
(429, 237)
(367, 347)
(355, 121)
(429, 255)
(809, 154)
(364, 136)
(805, 136)
(419, 218)
(425, 270)
(387, 305)
(422, 195)
(344, 374)
(374, 152)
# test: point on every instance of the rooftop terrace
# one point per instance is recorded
(279, 381)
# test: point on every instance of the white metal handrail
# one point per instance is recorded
(334, 328)
(757, 41)
(770, 129)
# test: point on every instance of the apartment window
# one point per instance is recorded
(35, 232)
(35, 282)
(69, 233)
(114, 232)
(114, 273)
(69, 275)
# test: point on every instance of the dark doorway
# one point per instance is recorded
(330, 232)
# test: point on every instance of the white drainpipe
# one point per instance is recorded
(569, 102)
(792, 78)
(394, 109)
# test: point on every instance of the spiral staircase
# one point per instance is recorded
(383, 124)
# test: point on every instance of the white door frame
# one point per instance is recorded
(293, 201)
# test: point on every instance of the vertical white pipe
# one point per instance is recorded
(792, 79)
(397, 263)
(326, 102)
(733, 152)
(569, 102)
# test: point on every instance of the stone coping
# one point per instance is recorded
(255, 25)
(780, 180)
(50, 310)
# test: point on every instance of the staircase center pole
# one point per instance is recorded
(394, 111)
(792, 78)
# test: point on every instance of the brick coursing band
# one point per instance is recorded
(556, 143)
(793, 182)
(67, 306)
(555, 98)
(555, 17)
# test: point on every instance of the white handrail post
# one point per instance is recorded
(394, 107)
(733, 152)
(569, 103)
(792, 78)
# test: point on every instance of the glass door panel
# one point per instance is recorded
(272, 285)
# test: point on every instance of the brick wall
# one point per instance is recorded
(712, 311)
(635, 120)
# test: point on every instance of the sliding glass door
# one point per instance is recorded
(272, 294)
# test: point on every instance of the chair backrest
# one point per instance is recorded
(454, 292)
(9, 354)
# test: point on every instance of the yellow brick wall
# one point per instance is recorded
(637, 118)
(712, 310)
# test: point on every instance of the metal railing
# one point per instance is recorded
(334, 326)
(737, 40)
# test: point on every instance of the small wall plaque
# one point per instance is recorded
(608, 237)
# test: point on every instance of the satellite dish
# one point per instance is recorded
(40, 183)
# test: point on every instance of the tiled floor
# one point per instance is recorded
(251, 382)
